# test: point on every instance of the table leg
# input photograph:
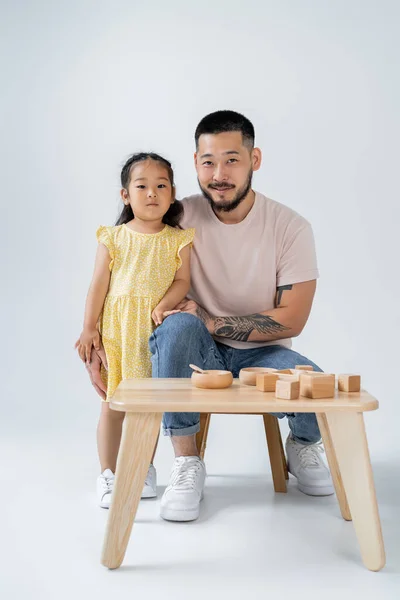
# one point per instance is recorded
(277, 460)
(202, 435)
(139, 436)
(333, 466)
(284, 462)
(349, 441)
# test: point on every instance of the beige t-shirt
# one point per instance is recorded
(235, 269)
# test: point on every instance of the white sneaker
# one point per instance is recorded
(181, 499)
(105, 485)
(150, 485)
(305, 463)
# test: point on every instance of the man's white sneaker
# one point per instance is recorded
(181, 499)
(105, 485)
(150, 485)
(305, 463)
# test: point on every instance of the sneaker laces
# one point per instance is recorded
(107, 484)
(184, 473)
(309, 456)
(148, 479)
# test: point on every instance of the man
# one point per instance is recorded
(254, 276)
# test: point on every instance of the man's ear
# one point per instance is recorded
(195, 160)
(256, 158)
(124, 196)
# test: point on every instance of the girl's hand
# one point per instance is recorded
(87, 339)
(159, 314)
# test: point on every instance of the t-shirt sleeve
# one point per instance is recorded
(104, 236)
(298, 260)
(186, 237)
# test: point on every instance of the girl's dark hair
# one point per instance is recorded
(174, 214)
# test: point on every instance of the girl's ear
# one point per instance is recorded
(173, 194)
(124, 196)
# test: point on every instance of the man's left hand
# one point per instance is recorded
(191, 307)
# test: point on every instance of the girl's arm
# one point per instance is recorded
(94, 304)
(178, 290)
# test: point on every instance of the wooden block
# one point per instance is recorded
(312, 373)
(313, 387)
(291, 377)
(299, 372)
(349, 383)
(295, 374)
(266, 382)
(304, 367)
(287, 390)
(248, 375)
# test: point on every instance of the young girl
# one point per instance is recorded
(142, 271)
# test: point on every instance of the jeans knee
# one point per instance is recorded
(178, 330)
(182, 339)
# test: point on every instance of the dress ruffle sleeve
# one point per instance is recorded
(186, 237)
(104, 236)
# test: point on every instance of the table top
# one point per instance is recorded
(179, 395)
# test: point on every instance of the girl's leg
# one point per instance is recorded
(109, 431)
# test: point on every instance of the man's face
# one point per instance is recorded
(225, 168)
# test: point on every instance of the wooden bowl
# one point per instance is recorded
(212, 380)
(248, 376)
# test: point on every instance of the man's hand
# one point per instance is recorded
(97, 357)
(191, 307)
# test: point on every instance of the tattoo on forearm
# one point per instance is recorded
(202, 314)
(240, 328)
(279, 292)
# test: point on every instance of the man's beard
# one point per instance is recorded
(229, 205)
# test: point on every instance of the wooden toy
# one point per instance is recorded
(197, 369)
(290, 377)
(266, 382)
(248, 375)
(212, 379)
(349, 383)
(287, 390)
(299, 372)
(313, 384)
(322, 386)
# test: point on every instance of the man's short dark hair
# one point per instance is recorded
(226, 120)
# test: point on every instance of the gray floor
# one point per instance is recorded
(248, 540)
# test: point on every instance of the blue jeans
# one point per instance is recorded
(184, 339)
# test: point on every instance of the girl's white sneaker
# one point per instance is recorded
(105, 485)
(150, 485)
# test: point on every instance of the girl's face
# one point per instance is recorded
(150, 192)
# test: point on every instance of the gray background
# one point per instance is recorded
(86, 83)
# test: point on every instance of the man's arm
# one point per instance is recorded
(288, 318)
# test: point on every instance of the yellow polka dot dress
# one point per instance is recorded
(143, 267)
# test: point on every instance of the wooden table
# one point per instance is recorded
(340, 420)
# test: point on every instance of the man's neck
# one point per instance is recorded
(238, 214)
